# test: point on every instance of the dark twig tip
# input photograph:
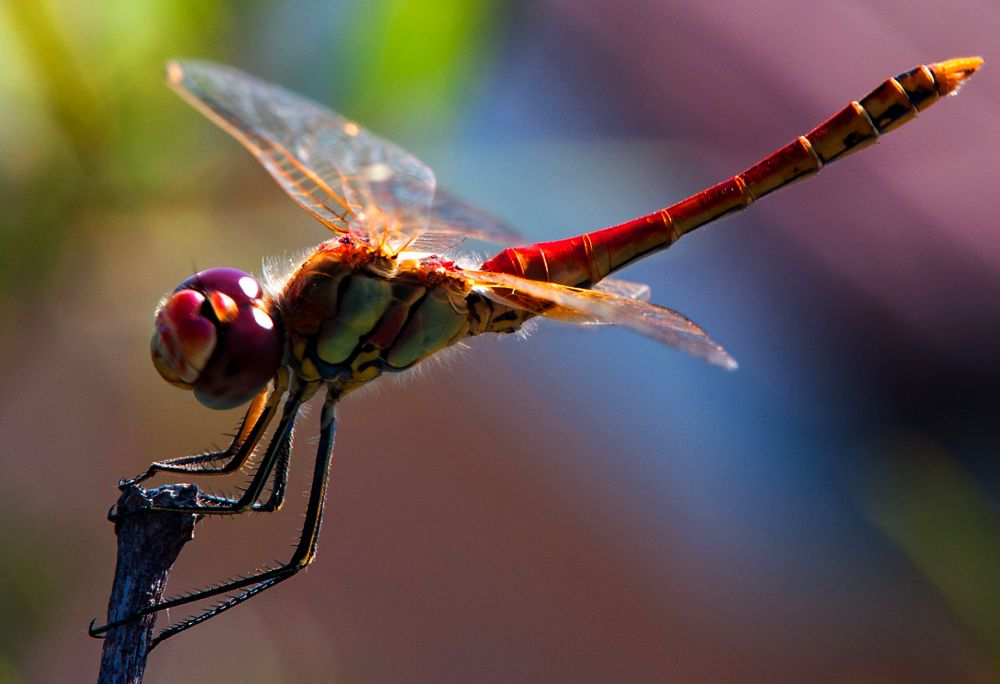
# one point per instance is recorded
(152, 526)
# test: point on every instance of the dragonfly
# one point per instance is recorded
(381, 295)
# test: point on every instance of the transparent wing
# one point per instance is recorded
(575, 304)
(452, 221)
(616, 286)
(625, 288)
(346, 177)
(451, 215)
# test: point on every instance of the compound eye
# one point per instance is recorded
(216, 335)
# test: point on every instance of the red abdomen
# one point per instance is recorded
(584, 260)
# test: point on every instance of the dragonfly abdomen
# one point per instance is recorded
(583, 260)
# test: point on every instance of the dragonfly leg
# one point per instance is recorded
(305, 551)
(277, 496)
(256, 420)
(277, 450)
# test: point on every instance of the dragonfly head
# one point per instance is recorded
(215, 335)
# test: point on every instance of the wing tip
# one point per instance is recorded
(723, 360)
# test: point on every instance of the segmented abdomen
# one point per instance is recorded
(585, 259)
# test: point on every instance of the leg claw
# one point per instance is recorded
(96, 632)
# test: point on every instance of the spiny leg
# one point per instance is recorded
(255, 422)
(305, 551)
(280, 443)
(277, 450)
(304, 554)
(276, 498)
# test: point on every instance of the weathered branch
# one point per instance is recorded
(148, 545)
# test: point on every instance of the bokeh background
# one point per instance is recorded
(577, 506)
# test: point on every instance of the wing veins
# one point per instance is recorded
(554, 300)
(317, 181)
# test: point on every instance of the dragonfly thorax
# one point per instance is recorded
(353, 311)
(215, 335)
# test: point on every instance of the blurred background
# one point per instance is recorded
(577, 506)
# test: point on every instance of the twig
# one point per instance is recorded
(148, 544)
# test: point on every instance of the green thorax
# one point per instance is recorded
(351, 312)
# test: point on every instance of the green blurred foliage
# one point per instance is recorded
(76, 129)
(426, 55)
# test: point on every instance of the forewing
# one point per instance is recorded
(340, 173)
(573, 303)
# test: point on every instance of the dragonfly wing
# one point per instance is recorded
(573, 303)
(452, 221)
(336, 170)
(625, 288)
(616, 286)
(452, 214)
(435, 241)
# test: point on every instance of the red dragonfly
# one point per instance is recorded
(380, 296)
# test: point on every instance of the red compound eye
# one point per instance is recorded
(216, 335)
